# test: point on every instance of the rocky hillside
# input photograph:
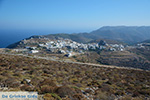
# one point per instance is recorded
(135, 58)
(69, 81)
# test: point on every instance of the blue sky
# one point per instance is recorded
(72, 15)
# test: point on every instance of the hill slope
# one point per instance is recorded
(146, 41)
(128, 34)
(74, 81)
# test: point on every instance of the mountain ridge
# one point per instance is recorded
(128, 34)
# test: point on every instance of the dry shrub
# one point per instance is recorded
(26, 88)
(78, 96)
(66, 98)
(48, 96)
(104, 96)
(48, 89)
(64, 91)
(126, 98)
(48, 82)
(129, 97)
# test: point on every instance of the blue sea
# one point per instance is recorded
(8, 37)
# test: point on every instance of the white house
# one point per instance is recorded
(34, 51)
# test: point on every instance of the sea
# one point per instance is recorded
(8, 37)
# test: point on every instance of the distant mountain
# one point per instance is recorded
(109, 41)
(128, 34)
(146, 41)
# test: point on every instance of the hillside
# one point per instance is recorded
(135, 58)
(146, 41)
(128, 34)
(109, 41)
(80, 37)
(70, 81)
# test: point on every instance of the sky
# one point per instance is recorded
(72, 15)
